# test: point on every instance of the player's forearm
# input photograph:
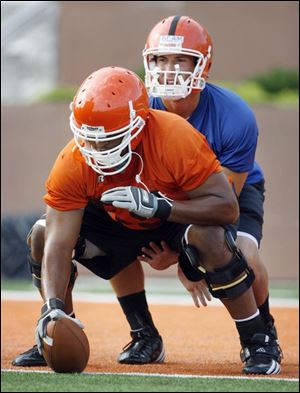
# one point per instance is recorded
(208, 210)
(56, 272)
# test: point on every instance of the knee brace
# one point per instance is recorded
(232, 280)
(41, 222)
(36, 270)
(188, 260)
(227, 282)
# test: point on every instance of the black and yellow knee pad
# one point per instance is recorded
(228, 282)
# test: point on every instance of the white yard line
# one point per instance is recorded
(163, 375)
(182, 300)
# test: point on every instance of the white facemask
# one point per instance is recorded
(184, 81)
(112, 161)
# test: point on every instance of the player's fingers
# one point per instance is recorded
(165, 246)
(195, 299)
(208, 295)
(148, 252)
(143, 258)
(206, 292)
(155, 247)
(201, 297)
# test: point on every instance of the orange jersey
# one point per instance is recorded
(176, 159)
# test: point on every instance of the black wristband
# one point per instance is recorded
(163, 209)
(51, 304)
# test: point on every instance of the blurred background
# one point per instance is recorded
(49, 47)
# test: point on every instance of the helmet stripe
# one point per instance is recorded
(174, 25)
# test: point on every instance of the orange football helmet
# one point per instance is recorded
(111, 104)
(177, 35)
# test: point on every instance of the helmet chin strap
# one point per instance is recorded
(102, 176)
(115, 168)
(138, 176)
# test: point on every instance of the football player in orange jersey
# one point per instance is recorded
(130, 176)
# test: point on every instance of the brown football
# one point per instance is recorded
(70, 350)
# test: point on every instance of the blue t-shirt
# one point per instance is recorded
(229, 126)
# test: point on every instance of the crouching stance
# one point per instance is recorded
(131, 176)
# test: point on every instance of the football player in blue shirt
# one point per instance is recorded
(177, 59)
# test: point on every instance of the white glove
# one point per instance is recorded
(138, 201)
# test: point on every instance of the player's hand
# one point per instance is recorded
(158, 257)
(138, 201)
(50, 313)
(198, 289)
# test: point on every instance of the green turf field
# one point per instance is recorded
(51, 382)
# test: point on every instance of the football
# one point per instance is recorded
(70, 350)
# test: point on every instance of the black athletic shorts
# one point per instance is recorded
(251, 219)
(121, 244)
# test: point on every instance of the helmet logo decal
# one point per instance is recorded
(170, 42)
(95, 133)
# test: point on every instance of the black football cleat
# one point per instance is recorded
(262, 355)
(271, 329)
(145, 347)
(30, 358)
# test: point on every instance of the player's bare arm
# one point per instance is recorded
(212, 203)
(62, 229)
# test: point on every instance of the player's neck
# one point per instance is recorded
(184, 107)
